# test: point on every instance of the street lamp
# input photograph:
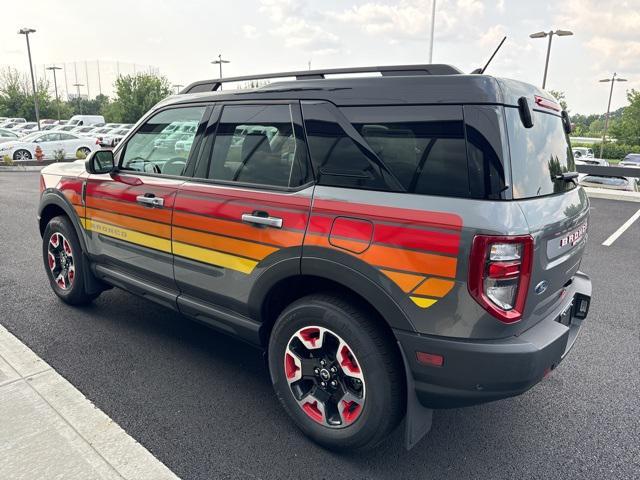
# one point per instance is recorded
(78, 85)
(219, 62)
(606, 118)
(55, 86)
(433, 27)
(550, 34)
(26, 32)
(178, 87)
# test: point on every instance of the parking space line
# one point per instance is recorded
(614, 236)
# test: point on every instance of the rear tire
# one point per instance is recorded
(373, 411)
(64, 262)
(22, 155)
(84, 150)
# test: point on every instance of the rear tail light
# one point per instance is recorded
(42, 185)
(499, 274)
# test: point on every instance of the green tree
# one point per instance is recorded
(135, 95)
(561, 98)
(626, 129)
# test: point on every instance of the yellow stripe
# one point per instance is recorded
(214, 258)
(128, 235)
(423, 302)
(83, 222)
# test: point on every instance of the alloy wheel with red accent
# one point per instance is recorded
(60, 260)
(337, 371)
(324, 376)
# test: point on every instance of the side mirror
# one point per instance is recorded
(100, 161)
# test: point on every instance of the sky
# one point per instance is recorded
(181, 38)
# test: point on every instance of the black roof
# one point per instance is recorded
(405, 84)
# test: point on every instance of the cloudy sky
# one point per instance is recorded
(180, 38)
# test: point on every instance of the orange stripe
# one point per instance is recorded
(398, 258)
(144, 226)
(281, 238)
(72, 196)
(434, 287)
(130, 208)
(79, 210)
(223, 244)
(405, 281)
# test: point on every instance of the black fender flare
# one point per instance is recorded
(55, 197)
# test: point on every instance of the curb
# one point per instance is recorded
(612, 194)
(22, 168)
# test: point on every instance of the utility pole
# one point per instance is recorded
(433, 27)
(606, 118)
(219, 62)
(66, 84)
(26, 32)
(99, 80)
(550, 34)
(86, 74)
(78, 85)
(55, 85)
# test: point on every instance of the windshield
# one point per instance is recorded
(539, 155)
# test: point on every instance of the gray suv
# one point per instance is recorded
(395, 243)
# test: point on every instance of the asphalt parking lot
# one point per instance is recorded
(203, 404)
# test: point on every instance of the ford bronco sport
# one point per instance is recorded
(395, 243)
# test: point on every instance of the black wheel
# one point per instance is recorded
(22, 155)
(64, 262)
(336, 373)
(85, 151)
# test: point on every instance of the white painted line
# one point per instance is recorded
(49, 429)
(614, 236)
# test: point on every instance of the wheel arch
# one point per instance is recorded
(54, 204)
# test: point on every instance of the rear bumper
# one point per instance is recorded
(482, 371)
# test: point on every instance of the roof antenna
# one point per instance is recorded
(480, 71)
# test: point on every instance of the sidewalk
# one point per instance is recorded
(49, 430)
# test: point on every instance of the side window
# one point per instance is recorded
(66, 136)
(258, 144)
(163, 143)
(423, 146)
(338, 160)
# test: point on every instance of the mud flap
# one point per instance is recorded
(418, 419)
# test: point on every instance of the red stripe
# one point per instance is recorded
(320, 224)
(231, 210)
(448, 221)
(352, 228)
(417, 239)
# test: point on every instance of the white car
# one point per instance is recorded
(25, 128)
(64, 128)
(582, 152)
(50, 143)
(111, 139)
(7, 135)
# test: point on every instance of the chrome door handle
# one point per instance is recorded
(151, 201)
(260, 220)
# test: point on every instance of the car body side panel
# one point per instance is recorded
(218, 257)
(416, 251)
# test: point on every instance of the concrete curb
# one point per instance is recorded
(22, 168)
(612, 194)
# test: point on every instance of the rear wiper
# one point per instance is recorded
(567, 176)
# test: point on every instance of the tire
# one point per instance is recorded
(22, 155)
(64, 262)
(86, 151)
(374, 409)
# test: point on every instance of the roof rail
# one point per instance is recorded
(386, 71)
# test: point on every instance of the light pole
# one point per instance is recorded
(433, 27)
(219, 62)
(178, 87)
(26, 32)
(550, 34)
(55, 86)
(606, 118)
(78, 85)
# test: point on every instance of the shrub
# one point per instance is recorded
(612, 151)
(59, 155)
(7, 160)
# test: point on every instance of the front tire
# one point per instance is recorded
(336, 372)
(64, 262)
(84, 151)
(22, 155)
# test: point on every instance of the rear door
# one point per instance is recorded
(246, 212)
(556, 209)
(128, 213)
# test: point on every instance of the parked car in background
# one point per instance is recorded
(65, 128)
(83, 131)
(18, 120)
(627, 184)
(83, 120)
(61, 122)
(111, 139)
(49, 142)
(48, 126)
(631, 160)
(580, 152)
(47, 121)
(7, 135)
(3, 119)
(114, 125)
(10, 125)
(25, 128)
(591, 161)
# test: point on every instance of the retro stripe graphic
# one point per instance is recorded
(416, 250)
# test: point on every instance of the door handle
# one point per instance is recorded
(150, 200)
(262, 220)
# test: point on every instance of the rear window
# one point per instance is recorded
(538, 155)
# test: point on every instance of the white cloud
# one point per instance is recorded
(250, 32)
(500, 6)
(298, 33)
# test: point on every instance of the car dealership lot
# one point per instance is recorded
(203, 404)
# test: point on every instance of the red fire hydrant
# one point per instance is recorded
(39, 153)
